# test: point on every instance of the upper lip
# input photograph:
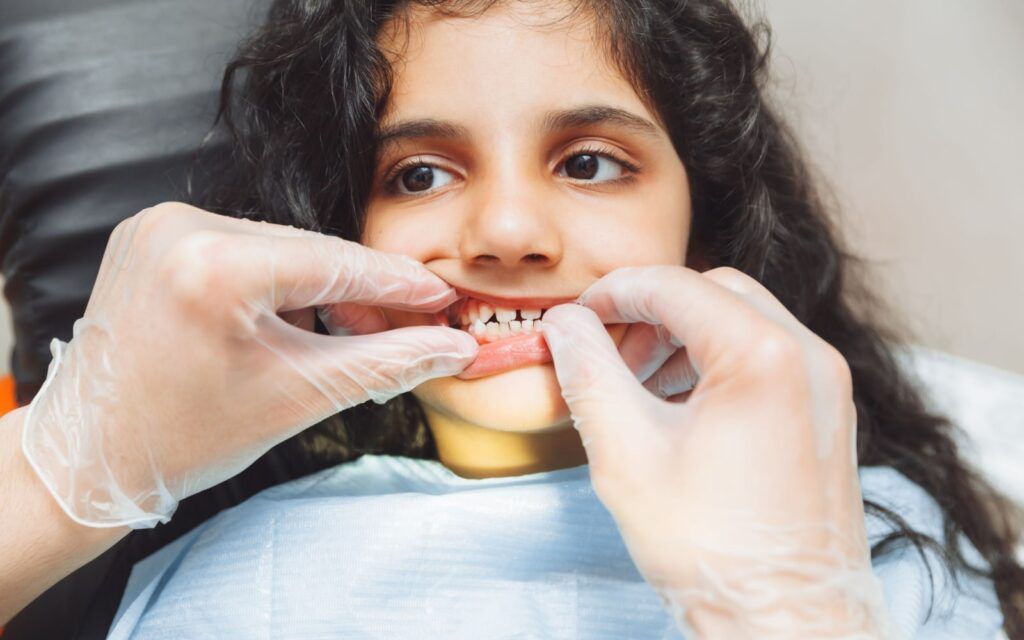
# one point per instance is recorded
(505, 302)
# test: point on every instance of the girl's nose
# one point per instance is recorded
(512, 226)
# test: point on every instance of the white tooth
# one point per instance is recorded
(538, 325)
(530, 314)
(527, 325)
(504, 315)
(503, 330)
(478, 327)
(485, 311)
(515, 326)
(464, 320)
(492, 329)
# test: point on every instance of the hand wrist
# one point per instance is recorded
(42, 544)
(848, 604)
(831, 620)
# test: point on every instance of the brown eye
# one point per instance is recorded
(582, 166)
(416, 178)
(597, 166)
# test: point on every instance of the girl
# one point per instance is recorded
(714, 390)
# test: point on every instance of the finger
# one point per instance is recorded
(307, 268)
(313, 270)
(677, 375)
(713, 321)
(346, 371)
(383, 365)
(645, 348)
(601, 392)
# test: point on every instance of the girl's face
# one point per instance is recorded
(529, 168)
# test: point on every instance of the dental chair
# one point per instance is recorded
(102, 103)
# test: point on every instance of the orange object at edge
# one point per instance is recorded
(7, 403)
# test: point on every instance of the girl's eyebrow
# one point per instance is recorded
(550, 122)
(594, 114)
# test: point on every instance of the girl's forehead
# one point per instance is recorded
(515, 57)
(517, 15)
(566, 33)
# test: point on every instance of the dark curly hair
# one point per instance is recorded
(315, 66)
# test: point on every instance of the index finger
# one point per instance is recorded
(711, 320)
(309, 269)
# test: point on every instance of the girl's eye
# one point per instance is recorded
(598, 166)
(414, 177)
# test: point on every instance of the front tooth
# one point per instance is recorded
(530, 314)
(485, 311)
(504, 315)
(527, 325)
(515, 326)
(492, 329)
(503, 330)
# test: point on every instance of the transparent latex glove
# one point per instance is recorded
(184, 370)
(729, 464)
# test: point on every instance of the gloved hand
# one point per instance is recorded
(183, 371)
(721, 437)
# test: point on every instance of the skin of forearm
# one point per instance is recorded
(39, 543)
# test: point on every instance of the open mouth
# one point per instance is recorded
(489, 323)
(509, 331)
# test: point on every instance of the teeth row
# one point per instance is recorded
(503, 329)
(476, 310)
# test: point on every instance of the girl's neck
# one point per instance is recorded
(472, 451)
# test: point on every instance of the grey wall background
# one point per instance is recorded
(913, 111)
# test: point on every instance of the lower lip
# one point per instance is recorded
(506, 354)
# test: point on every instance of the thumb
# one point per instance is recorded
(601, 391)
(349, 370)
(385, 364)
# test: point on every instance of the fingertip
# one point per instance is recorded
(563, 323)
(565, 315)
(452, 344)
(467, 344)
(445, 297)
(461, 352)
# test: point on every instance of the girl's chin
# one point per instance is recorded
(526, 399)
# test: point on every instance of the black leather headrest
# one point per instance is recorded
(102, 105)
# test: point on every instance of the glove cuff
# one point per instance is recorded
(63, 443)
